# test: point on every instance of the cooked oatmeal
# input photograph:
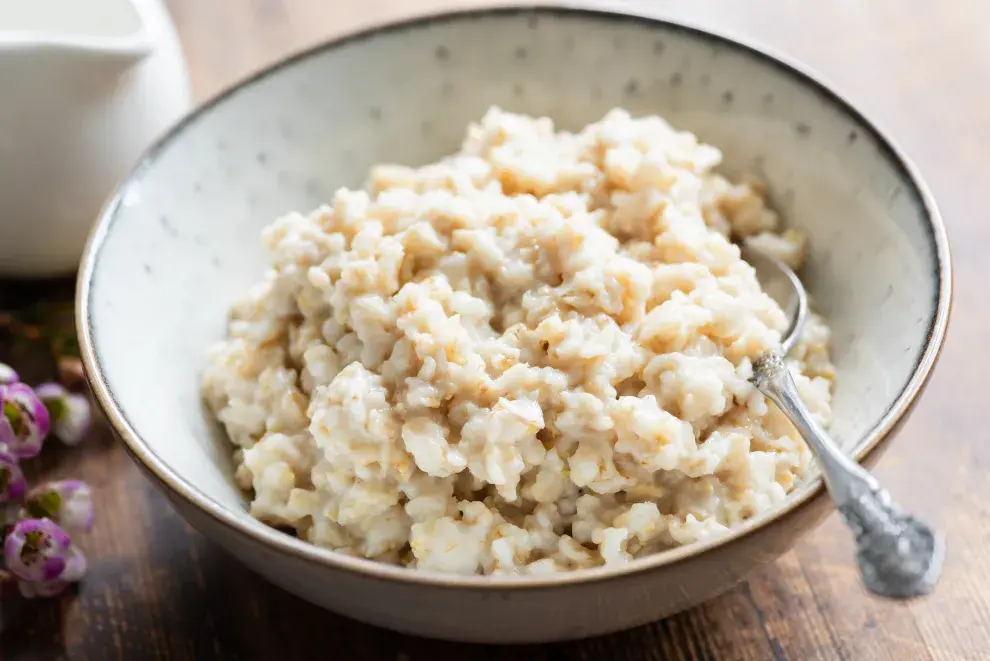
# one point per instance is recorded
(530, 357)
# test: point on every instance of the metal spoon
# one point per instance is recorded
(899, 556)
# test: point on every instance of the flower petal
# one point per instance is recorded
(34, 589)
(73, 427)
(8, 375)
(50, 392)
(6, 429)
(52, 567)
(27, 417)
(75, 566)
(12, 482)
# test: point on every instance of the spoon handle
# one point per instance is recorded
(898, 555)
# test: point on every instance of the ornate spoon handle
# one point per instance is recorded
(898, 555)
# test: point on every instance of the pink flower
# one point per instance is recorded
(38, 550)
(70, 413)
(26, 418)
(69, 503)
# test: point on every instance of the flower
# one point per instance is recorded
(68, 503)
(70, 413)
(39, 550)
(8, 375)
(12, 483)
(75, 567)
(27, 420)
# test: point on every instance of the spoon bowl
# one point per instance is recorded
(782, 285)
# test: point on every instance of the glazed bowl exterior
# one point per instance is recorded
(180, 241)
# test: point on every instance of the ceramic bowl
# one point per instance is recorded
(181, 240)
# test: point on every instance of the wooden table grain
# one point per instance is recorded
(158, 590)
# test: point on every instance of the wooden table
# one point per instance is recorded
(158, 590)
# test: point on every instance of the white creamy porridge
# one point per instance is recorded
(530, 357)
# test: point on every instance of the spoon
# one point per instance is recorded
(899, 556)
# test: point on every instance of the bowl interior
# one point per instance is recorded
(182, 239)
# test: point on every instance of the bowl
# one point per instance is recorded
(179, 242)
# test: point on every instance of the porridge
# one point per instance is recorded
(530, 357)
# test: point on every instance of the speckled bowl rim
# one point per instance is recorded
(174, 485)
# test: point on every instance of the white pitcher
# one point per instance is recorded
(85, 87)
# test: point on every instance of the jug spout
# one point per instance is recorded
(68, 38)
